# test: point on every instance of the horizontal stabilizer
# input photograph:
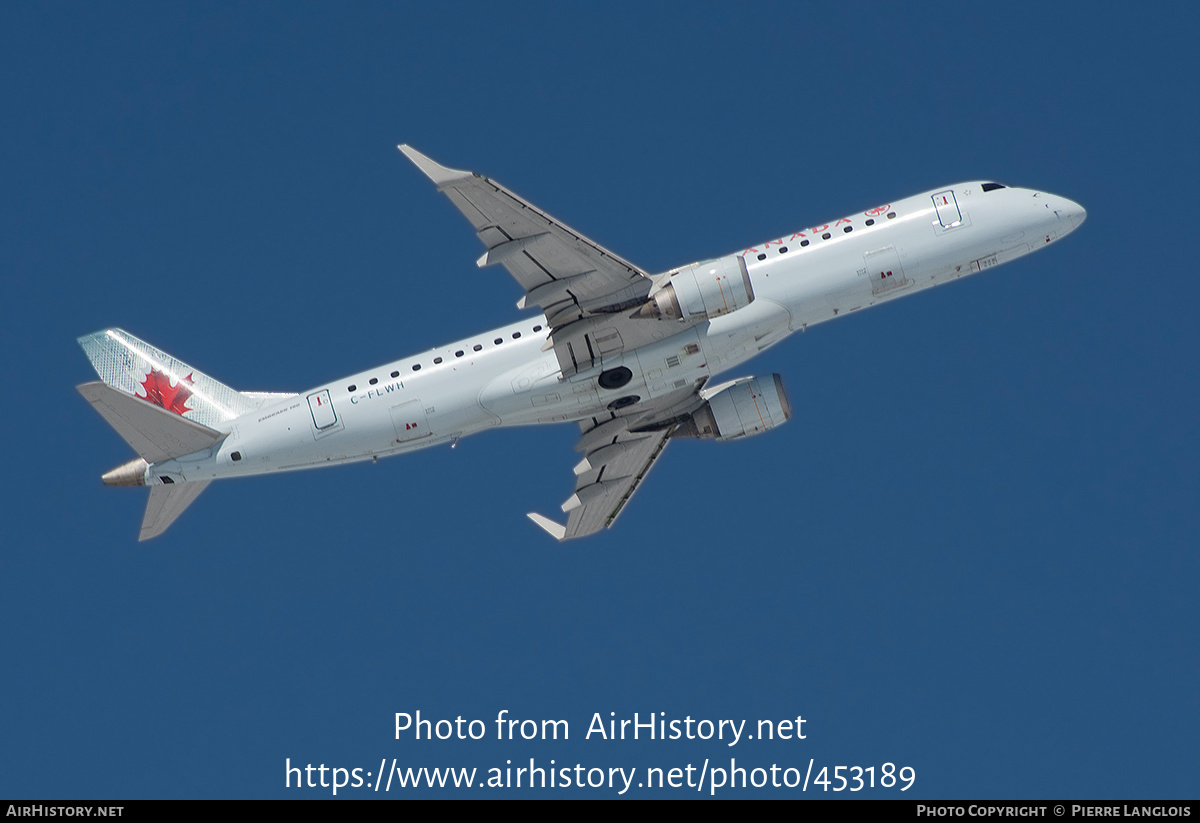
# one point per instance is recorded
(167, 503)
(154, 433)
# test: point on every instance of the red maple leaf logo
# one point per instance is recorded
(160, 392)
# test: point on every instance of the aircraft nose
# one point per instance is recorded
(1060, 215)
(1074, 213)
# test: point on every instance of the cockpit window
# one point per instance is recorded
(992, 186)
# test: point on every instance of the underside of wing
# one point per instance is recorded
(605, 479)
(585, 291)
(618, 452)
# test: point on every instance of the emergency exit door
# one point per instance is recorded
(410, 421)
(883, 267)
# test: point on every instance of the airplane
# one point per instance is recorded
(627, 355)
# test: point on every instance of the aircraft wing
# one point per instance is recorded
(605, 479)
(618, 453)
(586, 291)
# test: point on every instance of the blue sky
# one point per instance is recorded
(972, 551)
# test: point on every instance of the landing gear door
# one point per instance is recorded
(947, 208)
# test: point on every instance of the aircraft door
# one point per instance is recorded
(322, 411)
(947, 208)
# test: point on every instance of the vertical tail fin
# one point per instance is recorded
(135, 367)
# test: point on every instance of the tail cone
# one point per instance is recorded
(132, 473)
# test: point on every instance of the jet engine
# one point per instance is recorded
(701, 291)
(740, 409)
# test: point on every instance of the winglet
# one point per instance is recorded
(555, 530)
(434, 171)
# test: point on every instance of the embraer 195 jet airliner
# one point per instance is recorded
(628, 355)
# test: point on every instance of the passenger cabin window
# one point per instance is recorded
(397, 374)
(437, 360)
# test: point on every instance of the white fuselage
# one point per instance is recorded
(504, 378)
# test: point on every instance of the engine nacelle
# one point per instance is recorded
(749, 406)
(702, 291)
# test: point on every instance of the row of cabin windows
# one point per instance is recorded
(827, 235)
(437, 360)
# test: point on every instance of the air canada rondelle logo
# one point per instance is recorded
(878, 210)
(160, 392)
